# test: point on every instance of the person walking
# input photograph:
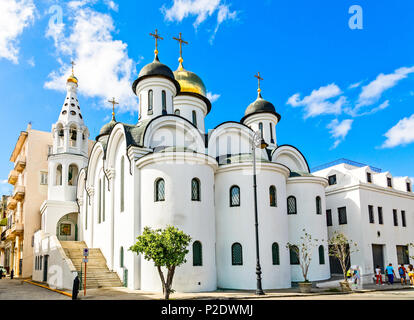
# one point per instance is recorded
(378, 275)
(75, 289)
(411, 274)
(1, 273)
(391, 273)
(11, 274)
(403, 274)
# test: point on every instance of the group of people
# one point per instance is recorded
(390, 274)
(4, 275)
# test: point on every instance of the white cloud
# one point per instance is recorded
(339, 130)
(103, 66)
(382, 106)
(213, 97)
(373, 91)
(355, 85)
(31, 62)
(15, 17)
(401, 134)
(201, 9)
(318, 102)
(111, 5)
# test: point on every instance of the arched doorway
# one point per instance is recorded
(67, 228)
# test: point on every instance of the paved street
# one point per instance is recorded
(18, 290)
(379, 295)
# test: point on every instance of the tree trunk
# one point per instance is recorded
(162, 280)
(170, 277)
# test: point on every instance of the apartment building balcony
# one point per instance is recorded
(18, 193)
(15, 230)
(13, 176)
(20, 163)
(11, 203)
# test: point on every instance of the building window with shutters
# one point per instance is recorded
(272, 196)
(234, 196)
(318, 205)
(159, 189)
(321, 255)
(371, 214)
(342, 215)
(195, 189)
(291, 204)
(197, 254)
(293, 255)
(275, 254)
(236, 254)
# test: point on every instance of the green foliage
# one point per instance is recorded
(3, 222)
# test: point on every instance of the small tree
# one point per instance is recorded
(166, 248)
(410, 245)
(341, 248)
(304, 252)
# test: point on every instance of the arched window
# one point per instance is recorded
(272, 196)
(293, 253)
(159, 190)
(321, 255)
(121, 257)
(100, 201)
(194, 118)
(122, 187)
(275, 254)
(197, 254)
(291, 204)
(73, 136)
(86, 211)
(59, 175)
(271, 133)
(236, 254)
(73, 174)
(164, 101)
(60, 134)
(195, 189)
(150, 100)
(234, 196)
(318, 205)
(261, 129)
(177, 112)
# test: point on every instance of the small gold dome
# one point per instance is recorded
(73, 79)
(189, 81)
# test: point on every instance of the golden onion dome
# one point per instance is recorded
(189, 81)
(73, 79)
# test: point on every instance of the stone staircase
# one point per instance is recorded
(97, 274)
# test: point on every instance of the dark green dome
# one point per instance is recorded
(107, 128)
(260, 106)
(155, 69)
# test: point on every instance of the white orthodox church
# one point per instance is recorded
(168, 170)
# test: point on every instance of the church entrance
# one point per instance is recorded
(67, 228)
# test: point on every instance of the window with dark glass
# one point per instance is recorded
(275, 254)
(408, 187)
(236, 254)
(395, 216)
(318, 205)
(271, 133)
(159, 190)
(402, 255)
(234, 196)
(321, 255)
(371, 214)
(329, 217)
(195, 189)
(272, 196)
(261, 129)
(293, 255)
(197, 254)
(332, 179)
(403, 218)
(100, 201)
(194, 114)
(369, 177)
(291, 204)
(389, 182)
(342, 215)
(150, 100)
(121, 257)
(164, 101)
(380, 220)
(122, 182)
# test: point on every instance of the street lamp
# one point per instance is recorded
(257, 142)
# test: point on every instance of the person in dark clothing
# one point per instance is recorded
(75, 289)
(11, 274)
(1, 274)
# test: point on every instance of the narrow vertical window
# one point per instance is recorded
(261, 129)
(389, 182)
(394, 213)
(236, 254)
(271, 133)
(103, 200)
(275, 254)
(404, 224)
(369, 177)
(342, 215)
(122, 181)
(291, 204)
(371, 214)
(408, 187)
(197, 254)
(272, 196)
(159, 190)
(318, 205)
(321, 255)
(86, 211)
(329, 217)
(293, 255)
(121, 257)
(150, 100)
(195, 189)
(194, 114)
(234, 196)
(380, 220)
(100, 201)
(164, 102)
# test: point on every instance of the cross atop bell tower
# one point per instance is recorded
(259, 78)
(156, 37)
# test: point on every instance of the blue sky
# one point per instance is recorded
(341, 92)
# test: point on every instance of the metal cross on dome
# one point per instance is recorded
(259, 78)
(114, 102)
(73, 64)
(181, 41)
(156, 37)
